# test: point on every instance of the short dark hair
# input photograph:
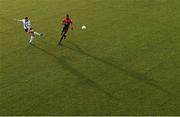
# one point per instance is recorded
(67, 15)
(26, 17)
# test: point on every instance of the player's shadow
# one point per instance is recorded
(62, 60)
(133, 74)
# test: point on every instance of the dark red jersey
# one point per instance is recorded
(67, 22)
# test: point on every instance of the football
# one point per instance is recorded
(83, 27)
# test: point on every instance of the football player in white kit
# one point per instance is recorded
(27, 27)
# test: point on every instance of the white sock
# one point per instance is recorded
(36, 33)
(31, 39)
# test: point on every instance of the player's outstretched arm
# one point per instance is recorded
(18, 20)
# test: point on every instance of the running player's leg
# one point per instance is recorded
(31, 38)
(32, 35)
(35, 33)
(62, 36)
(38, 34)
(65, 34)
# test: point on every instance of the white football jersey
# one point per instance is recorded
(26, 24)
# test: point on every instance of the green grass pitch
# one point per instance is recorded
(127, 62)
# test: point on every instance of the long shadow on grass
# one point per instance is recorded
(63, 62)
(122, 68)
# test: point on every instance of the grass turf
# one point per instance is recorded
(125, 63)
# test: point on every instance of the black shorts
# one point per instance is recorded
(65, 30)
(27, 29)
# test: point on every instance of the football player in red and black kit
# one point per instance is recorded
(67, 23)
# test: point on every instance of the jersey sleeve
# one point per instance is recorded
(63, 20)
